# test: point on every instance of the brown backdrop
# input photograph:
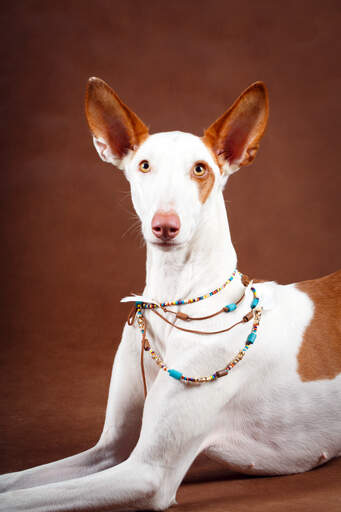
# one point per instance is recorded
(67, 252)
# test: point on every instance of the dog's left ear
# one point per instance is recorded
(116, 129)
(234, 138)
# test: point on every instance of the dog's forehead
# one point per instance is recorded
(175, 146)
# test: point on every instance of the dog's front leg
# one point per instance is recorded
(120, 433)
(176, 423)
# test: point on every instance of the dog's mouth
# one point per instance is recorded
(165, 244)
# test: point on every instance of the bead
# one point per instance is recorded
(230, 307)
(247, 318)
(254, 302)
(175, 374)
(221, 373)
(182, 315)
(251, 337)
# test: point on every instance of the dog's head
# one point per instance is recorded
(175, 176)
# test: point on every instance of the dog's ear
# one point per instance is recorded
(234, 137)
(115, 128)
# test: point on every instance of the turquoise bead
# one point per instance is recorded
(254, 302)
(251, 337)
(175, 374)
(231, 307)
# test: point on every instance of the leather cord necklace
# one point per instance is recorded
(137, 312)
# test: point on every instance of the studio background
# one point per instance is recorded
(68, 252)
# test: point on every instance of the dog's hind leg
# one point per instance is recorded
(120, 433)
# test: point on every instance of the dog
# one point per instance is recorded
(247, 372)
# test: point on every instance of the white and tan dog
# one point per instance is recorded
(277, 412)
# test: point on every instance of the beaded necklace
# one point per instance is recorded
(137, 313)
(153, 305)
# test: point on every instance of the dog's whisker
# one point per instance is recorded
(133, 227)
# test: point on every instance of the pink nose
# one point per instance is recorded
(165, 225)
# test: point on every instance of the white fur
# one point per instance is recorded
(260, 419)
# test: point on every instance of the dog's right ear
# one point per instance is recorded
(116, 129)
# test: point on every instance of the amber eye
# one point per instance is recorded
(144, 166)
(199, 169)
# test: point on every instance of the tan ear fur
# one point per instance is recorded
(234, 138)
(111, 121)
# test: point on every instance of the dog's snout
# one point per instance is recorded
(166, 225)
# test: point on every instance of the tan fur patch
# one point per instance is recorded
(207, 143)
(205, 183)
(320, 352)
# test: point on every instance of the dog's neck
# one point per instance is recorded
(197, 268)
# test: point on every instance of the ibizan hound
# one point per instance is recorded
(270, 405)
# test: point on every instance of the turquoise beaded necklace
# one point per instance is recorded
(255, 313)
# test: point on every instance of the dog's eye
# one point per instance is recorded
(144, 166)
(199, 169)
